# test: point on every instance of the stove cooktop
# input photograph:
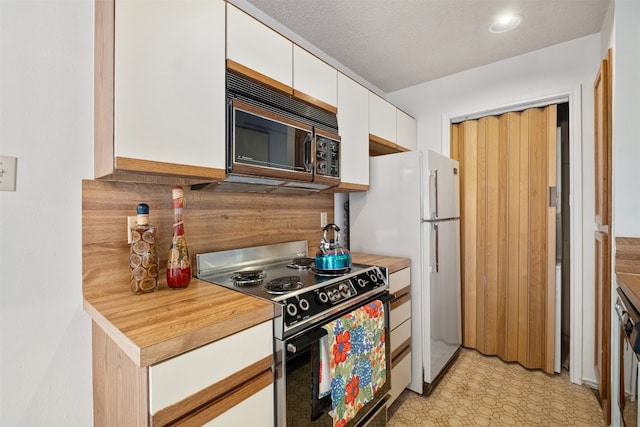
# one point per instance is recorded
(302, 295)
(272, 272)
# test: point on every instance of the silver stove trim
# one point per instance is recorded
(216, 263)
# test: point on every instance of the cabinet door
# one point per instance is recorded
(257, 47)
(353, 125)
(183, 383)
(406, 130)
(382, 118)
(314, 80)
(256, 411)
(399, 280)
(169, 82)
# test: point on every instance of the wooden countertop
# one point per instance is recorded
(154, 327)
(630, 284)
(393, 264)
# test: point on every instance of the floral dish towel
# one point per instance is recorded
(357, 360)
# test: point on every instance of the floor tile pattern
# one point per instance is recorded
(483, 390)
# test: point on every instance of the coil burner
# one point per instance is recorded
(283, 285)
(247, 277)
(302, 263)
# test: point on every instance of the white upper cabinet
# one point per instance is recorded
(382, 118)
(252, 44)
(168, 87)
(314, 80)
(353, 126)
(406, 131)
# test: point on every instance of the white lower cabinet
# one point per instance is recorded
(204, 376)
(400, 324)
(256, 411)
(207, 365)
(401, 374)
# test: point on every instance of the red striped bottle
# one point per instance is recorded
(178, 264)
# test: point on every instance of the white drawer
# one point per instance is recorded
(256, 411)
(400, 314)
(400, 378)
(175, 379)
(399, 280)
(400, 334)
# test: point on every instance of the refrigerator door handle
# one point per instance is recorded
(436, 266)
(434, 212)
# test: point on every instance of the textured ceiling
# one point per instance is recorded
(394, 44)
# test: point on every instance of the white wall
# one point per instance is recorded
(46, 121)
(533, 75)
(621, 33)
(626, 112)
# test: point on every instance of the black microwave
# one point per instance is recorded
(278, 140)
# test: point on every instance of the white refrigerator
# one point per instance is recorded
(412, 210)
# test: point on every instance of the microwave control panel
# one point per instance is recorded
(327, 157)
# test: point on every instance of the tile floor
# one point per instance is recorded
(482, 390)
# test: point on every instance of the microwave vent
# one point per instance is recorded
(253, 93)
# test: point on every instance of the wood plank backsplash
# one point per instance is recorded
(213, 221)
(628, 255)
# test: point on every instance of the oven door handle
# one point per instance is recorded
(386, 297)
(306, 340)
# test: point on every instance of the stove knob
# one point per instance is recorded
(304, 304)
(335, 294)
(292, 310)
(362, 283)
(344, 289)
(322, 297)
(373, 277)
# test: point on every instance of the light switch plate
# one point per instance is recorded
(8, 173)
(323, 219)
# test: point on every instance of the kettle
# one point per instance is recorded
(331, 256)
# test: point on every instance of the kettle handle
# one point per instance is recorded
(330, 226)
(336, 233)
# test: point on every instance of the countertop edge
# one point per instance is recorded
(392, 263)
(128, 346)
(630, 284)
(173, 344)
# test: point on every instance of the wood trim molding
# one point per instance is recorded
(120, 387)
(198, 173)
(104, 86)
(401, 352)
(379, 146)
(226, 402)
(403, 291)
(398, 301)
(258, 77)
(221, 396)
(346, 187)
(314, 101)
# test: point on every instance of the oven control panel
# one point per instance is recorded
(313, 303)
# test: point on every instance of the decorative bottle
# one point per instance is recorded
(178, 264)
(143, 257)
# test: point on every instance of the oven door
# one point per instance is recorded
(298, 400)
(264, 143)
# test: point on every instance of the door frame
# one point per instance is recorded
(573, 96)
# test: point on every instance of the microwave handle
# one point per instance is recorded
(308, 160)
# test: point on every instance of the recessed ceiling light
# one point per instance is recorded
(506, 23)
